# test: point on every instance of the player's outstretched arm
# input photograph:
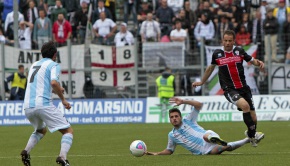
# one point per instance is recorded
(206, 75)
(259, 63)
(164, 152)
(178, 101)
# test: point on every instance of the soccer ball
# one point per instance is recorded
(138, 148)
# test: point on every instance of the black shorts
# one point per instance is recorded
(233, 95)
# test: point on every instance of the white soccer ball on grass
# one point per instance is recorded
(138, 148)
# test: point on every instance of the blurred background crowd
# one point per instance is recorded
(262, 23)
(120, 22)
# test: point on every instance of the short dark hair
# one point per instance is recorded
(48, 50)
(20, 66)
(270, 10)
(230, 33)
(174, 110)
(41, 9)
(167, 69)
(177, 21)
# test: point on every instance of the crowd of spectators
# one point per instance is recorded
(262, 22)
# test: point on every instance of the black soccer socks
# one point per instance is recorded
(250, 124)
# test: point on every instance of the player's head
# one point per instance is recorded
(175, 117)
(48, 50)
(229, 40)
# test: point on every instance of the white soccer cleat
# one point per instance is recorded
(253, 142)
(258, 137)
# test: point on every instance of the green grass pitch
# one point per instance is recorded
(109, 145)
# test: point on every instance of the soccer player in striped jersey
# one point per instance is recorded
(191, 136)
(232, 79)
(43, 79)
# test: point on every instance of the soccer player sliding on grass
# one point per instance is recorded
(191, 136)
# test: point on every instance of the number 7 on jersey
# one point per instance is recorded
(34, 73)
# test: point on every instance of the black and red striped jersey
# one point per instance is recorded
(231, 70)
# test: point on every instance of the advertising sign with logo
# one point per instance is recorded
(280, 77)
(217, 108)
(83, 111)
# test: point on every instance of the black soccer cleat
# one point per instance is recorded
(62, 162)
(25, 158)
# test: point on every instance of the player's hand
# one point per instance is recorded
(261, 66)
(66, 104)
(151, 153)
(175, 100)
(195, 84)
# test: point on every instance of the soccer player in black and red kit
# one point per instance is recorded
(230, 59)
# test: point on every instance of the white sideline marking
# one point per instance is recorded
(118, 155)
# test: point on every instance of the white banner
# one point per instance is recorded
(249, 70)
(112, 57)
(76, 84)
(101, 54)
(116, 65)
(163, 54)
(125, 77)
(110, 77)
(280, 77)
(15, 57)
(217, 108)
(125, 55)
(103, 77)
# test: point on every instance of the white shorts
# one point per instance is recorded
(207, 148)
(47, 116)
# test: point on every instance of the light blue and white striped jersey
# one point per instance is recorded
(39, 91)
(189, 135)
